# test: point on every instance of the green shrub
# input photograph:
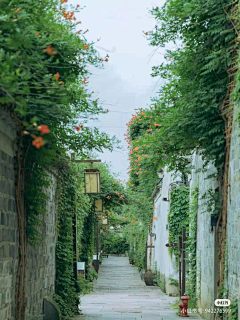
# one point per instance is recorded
(114, 243)
(86, 286)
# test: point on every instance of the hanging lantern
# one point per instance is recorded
(104, 220)
(98, 205)
(92, 181)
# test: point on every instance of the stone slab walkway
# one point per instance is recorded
(119, 293)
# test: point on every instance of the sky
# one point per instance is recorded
(125, 83)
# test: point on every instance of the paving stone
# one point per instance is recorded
(120, 294)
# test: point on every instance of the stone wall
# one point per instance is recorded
(41, 259)
(8, 218)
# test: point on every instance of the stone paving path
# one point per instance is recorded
(119, 293)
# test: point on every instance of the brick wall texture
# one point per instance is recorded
(8, 219)
(41, 259)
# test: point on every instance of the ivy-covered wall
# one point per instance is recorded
(40, 280)
(193, 207)
(67, 289)
(49, 269)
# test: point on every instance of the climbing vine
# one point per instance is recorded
(223, 289)
(138, 215)
(37, 175)
(213, 201)
(234, 309)
(191, 248)
(138, 211)
(66, 287)
(178, 217)
(87, 240)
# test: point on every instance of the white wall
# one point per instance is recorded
(165, 264)
(207, 262)
(233, 219)
(206, 250)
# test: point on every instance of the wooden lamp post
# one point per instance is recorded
(92, 186)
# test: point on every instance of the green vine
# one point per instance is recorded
(67, 291)
(223, 290)
(36, 198)
(234, 309)
(191, 249)
(136, 239)
(112, 242)
(87, 240)
(213, 200)
(173, 282)
(178, 217)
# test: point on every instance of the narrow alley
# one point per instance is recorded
(119, 144)
(119, 293)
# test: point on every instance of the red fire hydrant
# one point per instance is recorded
(184, 306)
